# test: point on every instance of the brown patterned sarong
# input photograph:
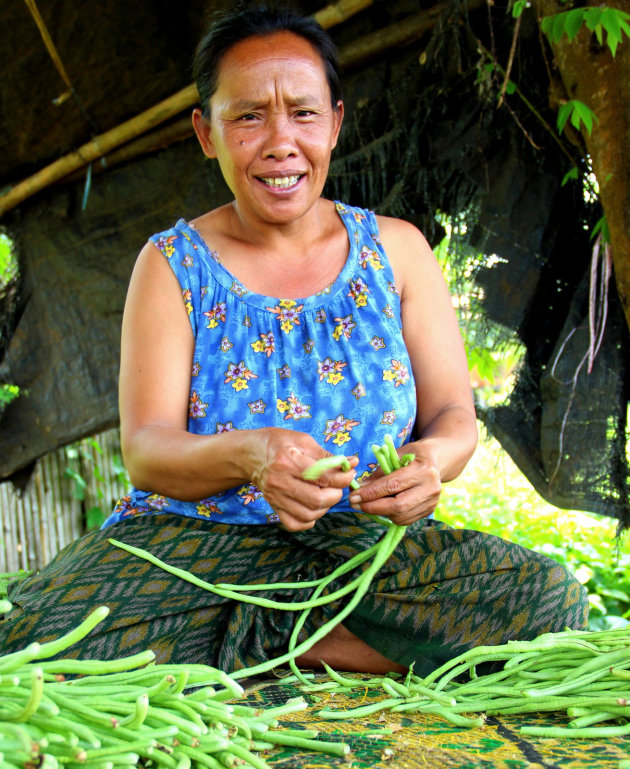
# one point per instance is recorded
(443, 591)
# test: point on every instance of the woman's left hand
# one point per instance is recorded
(409, 493)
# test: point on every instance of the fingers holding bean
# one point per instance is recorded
(298, 501)
(404, 495)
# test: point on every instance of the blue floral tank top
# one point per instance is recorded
(333, 365)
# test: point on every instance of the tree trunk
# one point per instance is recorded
(591, 74)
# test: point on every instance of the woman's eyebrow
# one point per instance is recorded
(245, 105)
(249, 105)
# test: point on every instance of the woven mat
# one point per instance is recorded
(427, 742)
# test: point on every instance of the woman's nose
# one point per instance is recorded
(280, 140)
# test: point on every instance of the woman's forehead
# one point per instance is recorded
(269, 55)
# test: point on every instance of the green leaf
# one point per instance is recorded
(79, 483)
(613, 21)
(518, 7)
(510, 88)
(578, 113)
(94, 517)
(572, 174)
(593, 17)
(601, 226)
(618, 595)
(557, 27)
(8, 393)
(573, 22)
(563, 115)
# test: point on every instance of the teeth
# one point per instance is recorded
(280, 181)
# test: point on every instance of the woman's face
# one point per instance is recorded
(272, 126)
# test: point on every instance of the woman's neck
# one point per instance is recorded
(292, 261)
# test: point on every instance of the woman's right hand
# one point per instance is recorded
(282, 457)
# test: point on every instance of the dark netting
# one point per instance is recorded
(433, 144)
(565, 423)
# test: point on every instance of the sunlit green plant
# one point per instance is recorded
(84, 462)
(492, 495)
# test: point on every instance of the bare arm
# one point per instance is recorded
(446, 421)
(160, 454)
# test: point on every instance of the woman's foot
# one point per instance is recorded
(343, 650)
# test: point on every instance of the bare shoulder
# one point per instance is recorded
(407, 249)
(151, 271)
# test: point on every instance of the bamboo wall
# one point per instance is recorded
(39, 522)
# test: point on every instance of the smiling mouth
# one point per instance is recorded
(281, 182)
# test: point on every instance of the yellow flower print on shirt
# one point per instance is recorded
(371, 257)
(359, 292)
(292, 408)
(345, 326)
(265, 344)
(207, 508)
(249, 493)
(196, 407)
(166, 245)
(238, 374)
(187, 294)
(288, 313)
(156, 502)
(398, 373)
(216, 314)
(339, 429)
(330, 370)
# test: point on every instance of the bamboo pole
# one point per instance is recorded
(341, 11)
(9, 538)
(99, 146)
(401, 33)
(398, 34)
(50, 46)
(159, 139)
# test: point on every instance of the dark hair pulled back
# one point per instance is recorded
(231, 28)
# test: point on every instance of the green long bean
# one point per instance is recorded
(133, 710)
(236, 595)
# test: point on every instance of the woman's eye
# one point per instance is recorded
(248, 116)
(304, 113)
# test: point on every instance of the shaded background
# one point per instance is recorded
(423, 135)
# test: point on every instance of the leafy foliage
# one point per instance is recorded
(493, 351)
(577, 112)
(598, 19)
(86, 471)
(8, 263)
(9, 393)
(493, 496)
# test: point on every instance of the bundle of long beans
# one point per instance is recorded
(389, 460)
(132, 712)
(584, 674)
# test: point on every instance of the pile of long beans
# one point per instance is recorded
(584, 674)
(544, 675)
(132, 712)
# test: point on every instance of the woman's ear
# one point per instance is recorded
(337, 121)
(204, 134)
